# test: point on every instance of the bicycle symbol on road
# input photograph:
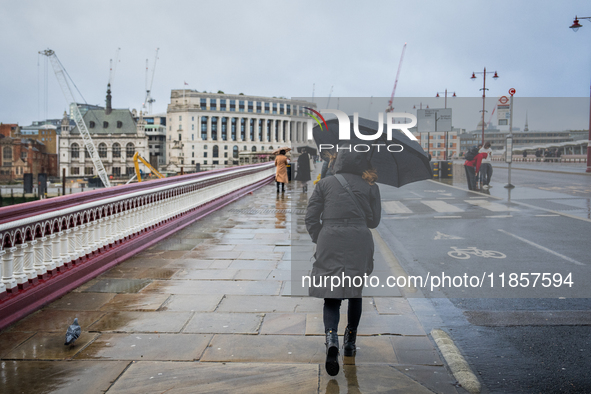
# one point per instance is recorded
(464, 254)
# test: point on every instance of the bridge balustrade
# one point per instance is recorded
(50, 247)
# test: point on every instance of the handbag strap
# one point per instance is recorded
(347, 187)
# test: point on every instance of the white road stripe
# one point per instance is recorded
(441, 206)
(543, 216)
(542, 248)
(491, 206)
(394, 207)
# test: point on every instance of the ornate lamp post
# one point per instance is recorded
(446, 132)
(575, 26)
(484, 89)
(453, 95)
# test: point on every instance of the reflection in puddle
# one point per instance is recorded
(350, 371)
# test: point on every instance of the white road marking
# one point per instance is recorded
(447, 217)
(394, 207)
(500, 216)
(544, 216)
(446, 198)
(446, 236)
(491, 206)
(441, 206)
(543, 248)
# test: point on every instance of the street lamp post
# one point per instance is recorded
(446, 133)
(484, 89)
(575, 26)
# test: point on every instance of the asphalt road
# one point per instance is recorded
(520, 339)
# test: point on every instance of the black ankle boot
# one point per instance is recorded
(332, 352)
(349, 346)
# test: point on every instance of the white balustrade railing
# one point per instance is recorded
(50, 241)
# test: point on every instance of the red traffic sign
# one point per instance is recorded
(511, 91)
(504, 100)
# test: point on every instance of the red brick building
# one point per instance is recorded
(8, 129)
(24, 155)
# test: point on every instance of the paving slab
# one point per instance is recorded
(250, 274)
(146, 347)
(82, 301)
(192, 303)
(265, 349)
(213, 287)
(135, 302)
(276, 256)
(63, 377)
(206, 274)
(10, 340)
(435, 378)
(231, 323)
(141, 322)
(118, 285)
(253, 303)
(189, 263)
(392, 306)
(49, 346)
(370, 379)
(56, 320)
(253, 264)
(177, 378)
(415, 350)
(284, 324)
(158, 273)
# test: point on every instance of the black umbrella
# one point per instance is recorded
(409, 165)
(312, 151)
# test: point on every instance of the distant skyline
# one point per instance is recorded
(268, 48)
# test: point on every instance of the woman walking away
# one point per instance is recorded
(349, 204)
(281, 171)
(303, 174)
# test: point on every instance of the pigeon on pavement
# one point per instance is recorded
(73, 332)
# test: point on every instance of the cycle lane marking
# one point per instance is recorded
(542, 248)
(441, 206)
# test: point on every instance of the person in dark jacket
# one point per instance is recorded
(340, 228)
(303, 174)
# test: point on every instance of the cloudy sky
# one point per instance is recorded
(274, 48)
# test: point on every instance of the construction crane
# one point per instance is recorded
(136, 158)
(491, 116)
(149, 100)
(390, 103)
(60, 74)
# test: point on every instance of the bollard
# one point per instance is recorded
(435, 169)
(446, 169)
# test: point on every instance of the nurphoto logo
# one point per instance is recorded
(345, 130)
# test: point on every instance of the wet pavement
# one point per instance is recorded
(208, 310)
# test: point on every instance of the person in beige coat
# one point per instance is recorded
(281, 170)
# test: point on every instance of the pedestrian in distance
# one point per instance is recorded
(340, 213)
(281, 170)
(472, 168)
(486, 169)
(303, 174)
(524, 153)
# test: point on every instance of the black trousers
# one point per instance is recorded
(282, 186)
(471, 177)
(332, 313)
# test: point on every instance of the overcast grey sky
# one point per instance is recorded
(273, 48)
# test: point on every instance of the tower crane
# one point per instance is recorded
(149, 100)
(60, 74)
(390, 103)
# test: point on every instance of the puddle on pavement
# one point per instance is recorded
(81, 301)
(135, 302)
(118, 286)
(157, 273)
(49, 346)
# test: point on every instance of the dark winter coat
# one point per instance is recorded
(343, 248)
(303, 174)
